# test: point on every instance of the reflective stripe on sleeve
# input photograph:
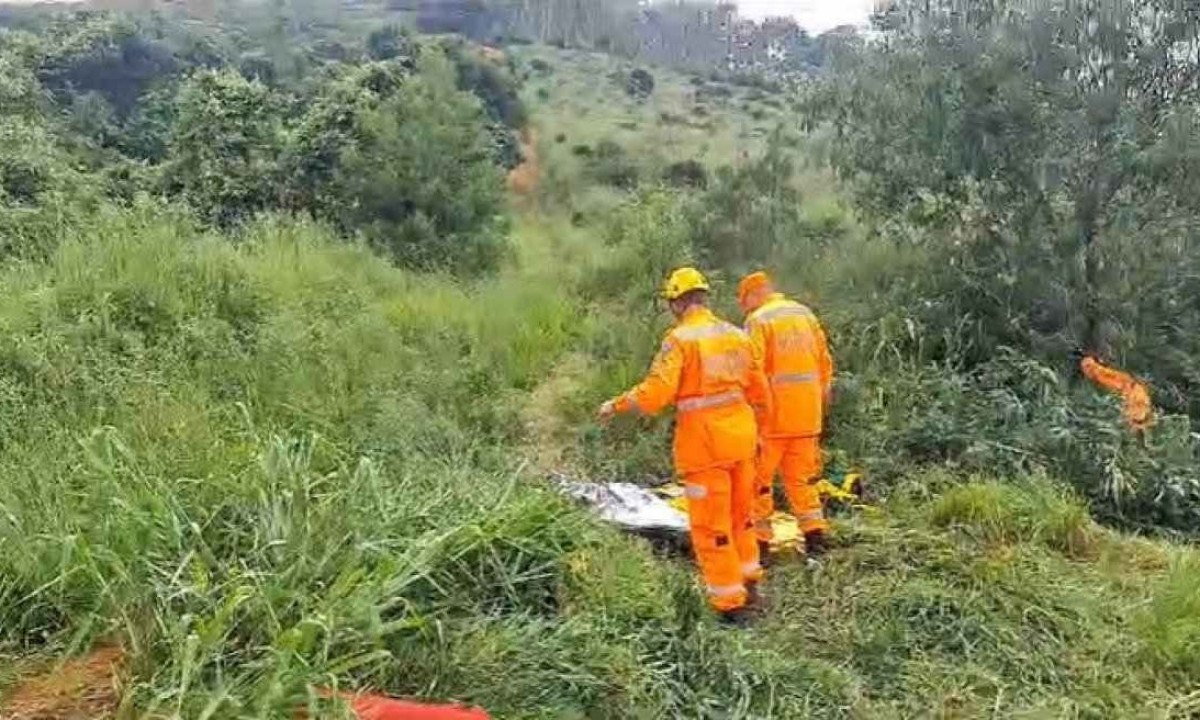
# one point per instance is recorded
(695, 492)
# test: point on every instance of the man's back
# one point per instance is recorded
(799, 368)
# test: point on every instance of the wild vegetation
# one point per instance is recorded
(283, 366)
(708, 37)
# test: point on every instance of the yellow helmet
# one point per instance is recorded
(683, 281)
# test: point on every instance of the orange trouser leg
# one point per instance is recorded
(744, 483)
(770, 455)
(802, 469)
(710, 511)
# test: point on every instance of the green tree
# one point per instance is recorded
(20, 93)
(331, 126)
(1036, 139)
(421, 182)
(223, 155)
(750, 214)
(390, 42)
(103, 54)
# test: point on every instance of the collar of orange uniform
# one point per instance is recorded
(772, 299)
(696, 314)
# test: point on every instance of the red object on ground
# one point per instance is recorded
(374, 707)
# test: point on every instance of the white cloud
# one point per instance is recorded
(816, 16)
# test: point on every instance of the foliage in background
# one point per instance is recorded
(1039, 147)
(271, 462)
(152, 105)
(640, 84)
(422, 183)
(222, 158)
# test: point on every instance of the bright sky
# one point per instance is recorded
(816, 16)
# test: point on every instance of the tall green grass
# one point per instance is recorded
(981, 587)
(976, 601)
(273, 463)
(280, 464)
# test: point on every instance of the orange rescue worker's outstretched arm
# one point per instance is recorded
(1139, 410)
(1103, 375)
(660, 387)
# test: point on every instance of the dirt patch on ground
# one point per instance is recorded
(87, 688)
(523, 179)
(495, 55)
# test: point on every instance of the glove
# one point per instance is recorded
(607, 411)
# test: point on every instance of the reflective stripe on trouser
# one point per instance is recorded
(705, 402)
(722, 532)
(800, 462)
(795, 378)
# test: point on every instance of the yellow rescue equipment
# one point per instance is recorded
(849, 490)
(845, 490)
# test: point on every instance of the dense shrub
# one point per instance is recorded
(962, 130)
(609, 164)
(491, 82)
(749, 213)
(687, 173)
(390, 42)
(1014, 416)
(157, 108)
(109, 56)
(224, 151)
(330, 127)
(640, 84)
(496, 88)
(421, 183)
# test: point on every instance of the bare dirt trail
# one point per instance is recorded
(86, 688)
(523, 179)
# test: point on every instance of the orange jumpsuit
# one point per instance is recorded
(1138, 411)
(794, 354)
(707, 369)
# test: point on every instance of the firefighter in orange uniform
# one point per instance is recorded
(794, 354)
(706, 368)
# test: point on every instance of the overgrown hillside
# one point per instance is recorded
(279, 400)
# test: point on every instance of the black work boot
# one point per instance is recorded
(764, 553)
(737, 618)
(753, 596)
(815, 544)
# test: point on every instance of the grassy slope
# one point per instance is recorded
(985, 600)
(282, 464)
